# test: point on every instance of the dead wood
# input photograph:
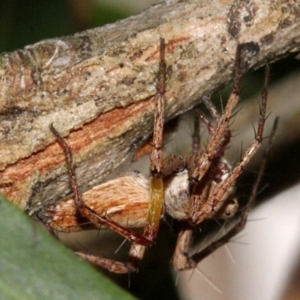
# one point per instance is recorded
(97, 86)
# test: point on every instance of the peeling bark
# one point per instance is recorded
(97, 86)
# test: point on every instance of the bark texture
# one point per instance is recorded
(97, 86)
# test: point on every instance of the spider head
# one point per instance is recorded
(225, 209)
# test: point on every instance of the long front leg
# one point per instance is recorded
(192, 261)
(181, 259)
(200, 165)
(211, 152)
(156, 182)
(87, 212)
(223, 188)
(140, 241)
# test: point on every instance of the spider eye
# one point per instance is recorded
(228, 213)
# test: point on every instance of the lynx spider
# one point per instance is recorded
(200, 187)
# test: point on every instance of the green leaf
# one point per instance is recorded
(33, 265)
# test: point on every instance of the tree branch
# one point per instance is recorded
(97, 86)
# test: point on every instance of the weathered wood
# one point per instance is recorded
(97, 86)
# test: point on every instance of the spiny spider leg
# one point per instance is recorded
(211, 108)
(222, 189)
(196, 136)
(238, 227)
(156, 184)
(86, 211)
(204, 162)
(158, 170)
(209, 127)
(184, 240)
(181, 260)
(200, 166)
(227, 134)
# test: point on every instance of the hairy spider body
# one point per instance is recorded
(191, 190)
(125, 200)
(177, 194)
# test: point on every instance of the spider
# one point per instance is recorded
(189, 190)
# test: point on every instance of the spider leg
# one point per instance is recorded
(159, 169)
(211, 108)
(108, 264)
(156, 185)
(211, 152)
(182, 261)
(91, 215)
(200, 166)
(156, 201)
(181, 258)
(223, 188)
(86, 211)
(226, 137)
(238, 227)
(196, 135)
(205, 121)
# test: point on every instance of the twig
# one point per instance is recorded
(98, 86)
